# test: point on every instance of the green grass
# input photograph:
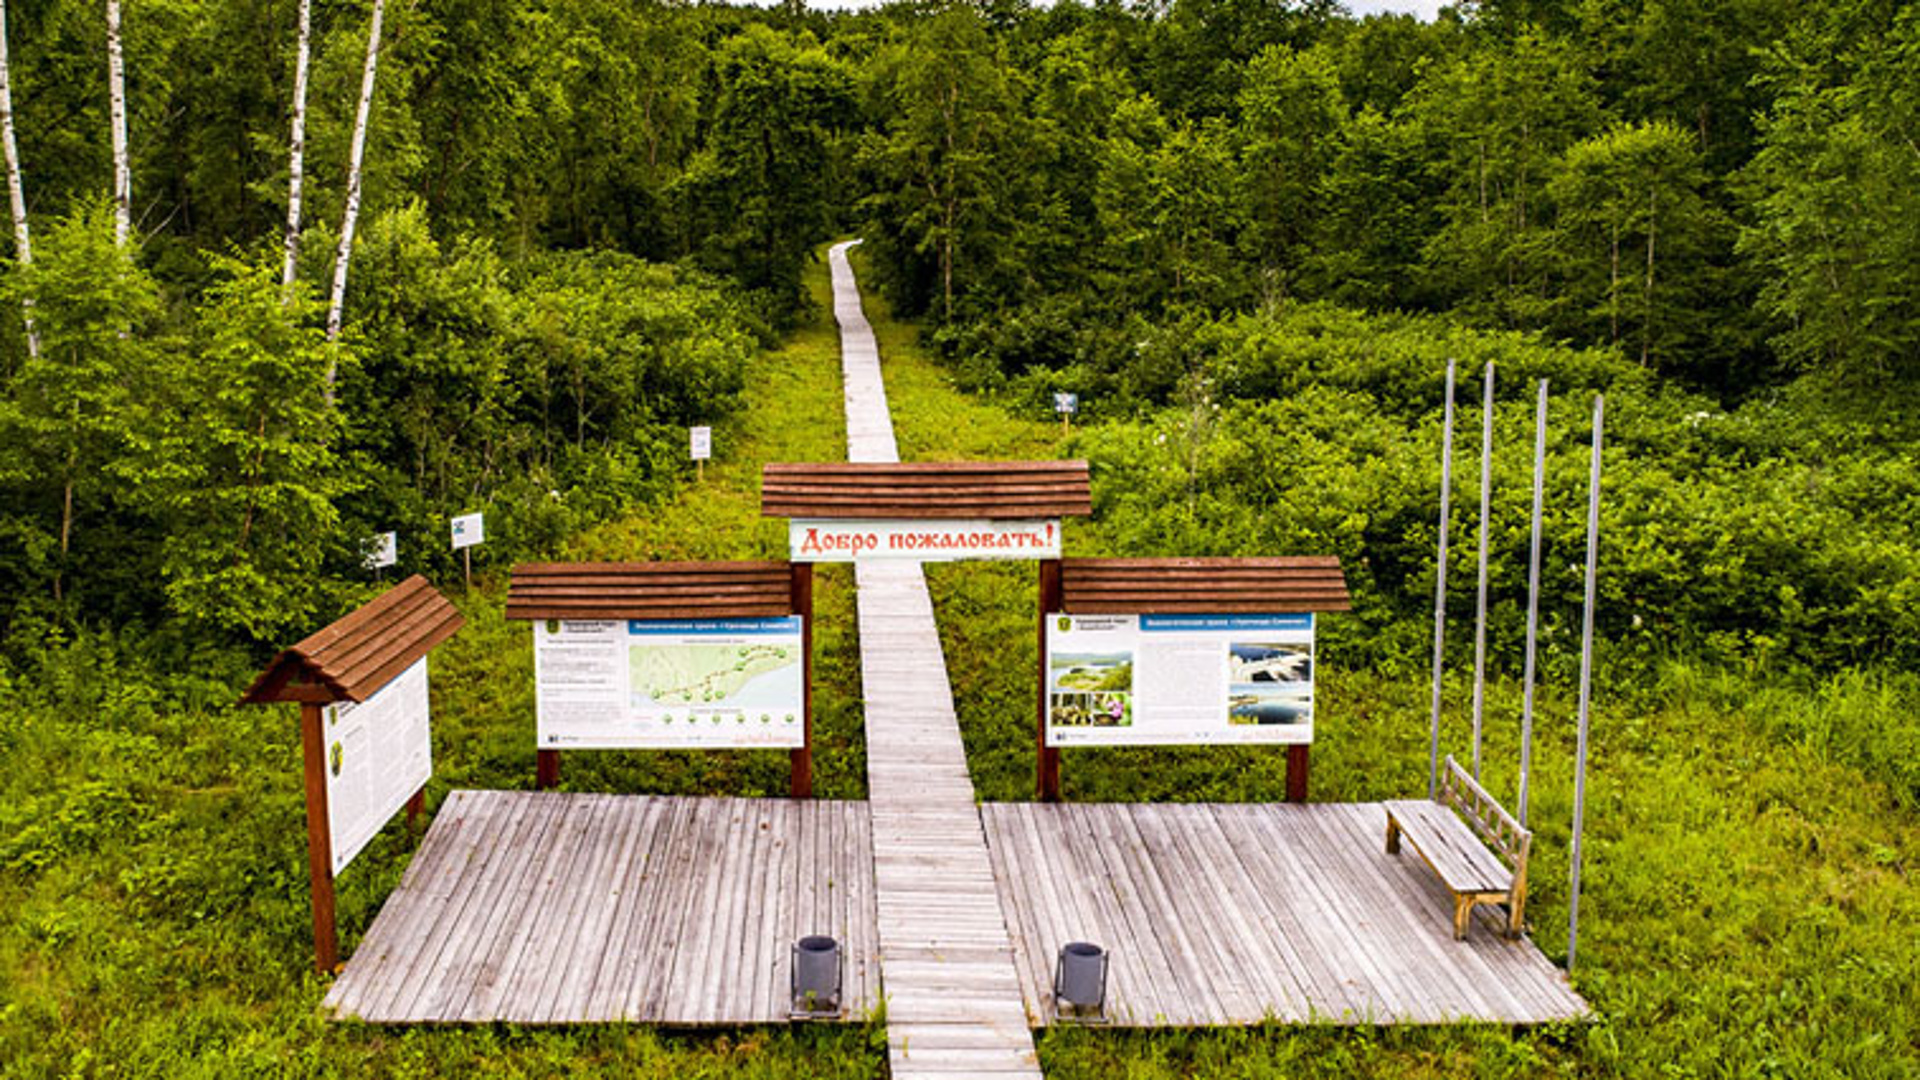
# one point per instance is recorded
(153, 897)
(1748, 907)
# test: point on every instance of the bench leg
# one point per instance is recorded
(1393, 836)
(1462, 911)
(1516, 915)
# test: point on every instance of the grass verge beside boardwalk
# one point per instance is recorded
(1748, 905)
(153, 895)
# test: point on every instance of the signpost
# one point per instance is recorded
(468, 530)
(384, 551)
(365, 732)
(700, 446)
(1066, 404)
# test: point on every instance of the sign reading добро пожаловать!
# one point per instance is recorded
(664, 683)
(1118, 680)
(379, 752)
(844, 541)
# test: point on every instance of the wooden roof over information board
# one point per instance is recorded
(650, 590)
(357, 655)
(952, 491)
(1203, 585)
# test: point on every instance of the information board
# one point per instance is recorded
(667, 683)
(1139, 680)
(929, 541)
(700, 443)
(379, 752)
(468, 530)
(383, 551)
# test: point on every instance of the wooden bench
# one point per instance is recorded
(1480, 853)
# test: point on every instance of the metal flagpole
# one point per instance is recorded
(1533, 598)
(1586, 684)
(1480, 609)
(1440, 587)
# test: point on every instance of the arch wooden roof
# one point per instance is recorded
(355, 656)
(959, 490)
(1201, 585)
(650, 590)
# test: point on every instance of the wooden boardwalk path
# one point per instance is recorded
(954, 1005)
(1234, 914)
(547, 908)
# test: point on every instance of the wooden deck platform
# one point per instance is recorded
(549, 908)
(1238, 913)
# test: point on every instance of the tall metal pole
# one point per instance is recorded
(1533, 598)
(1586, 684)
(1480, 609)
(1440, 587)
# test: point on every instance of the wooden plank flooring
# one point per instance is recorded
(954, 999)
(544, 908)
(1237, 914)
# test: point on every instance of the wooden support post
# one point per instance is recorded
(1047, 762)
(313, 745)
(414, 807)
(802, 758)
(546, 769)
(466, 564)
(1298, 758)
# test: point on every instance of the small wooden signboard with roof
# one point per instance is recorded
(361, 684)
(670, 655)
(1183, 650)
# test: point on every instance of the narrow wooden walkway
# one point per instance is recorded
(547, 908)
(1235, 914)
(954, 1005)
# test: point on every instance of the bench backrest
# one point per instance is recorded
(1490, 821)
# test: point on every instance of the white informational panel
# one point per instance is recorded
(379, 752)
(1141, 680)
(468, 530)
(669, 683)
(700, 442)
(930, 541)
(383, 551)
(1064, 402)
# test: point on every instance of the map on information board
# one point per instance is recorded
(665, 683)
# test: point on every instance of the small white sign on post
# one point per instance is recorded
(383, 551)
(1066, 403)
(468, 530)
(700, 442)
(379, 753)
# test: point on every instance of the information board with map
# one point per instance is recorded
(670, 683)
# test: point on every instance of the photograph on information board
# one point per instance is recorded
(1141, 680)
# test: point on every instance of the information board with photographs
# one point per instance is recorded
(670, 683)
(379, 752)
(1142, 680)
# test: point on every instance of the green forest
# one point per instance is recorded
(283, 276)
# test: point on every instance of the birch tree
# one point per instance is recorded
(117, 97)
(352, 216)
(16, 190)
(297, 150)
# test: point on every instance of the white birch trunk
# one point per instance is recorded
(117, 97)
(16, 188)
(354, 159)
(297, 152)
